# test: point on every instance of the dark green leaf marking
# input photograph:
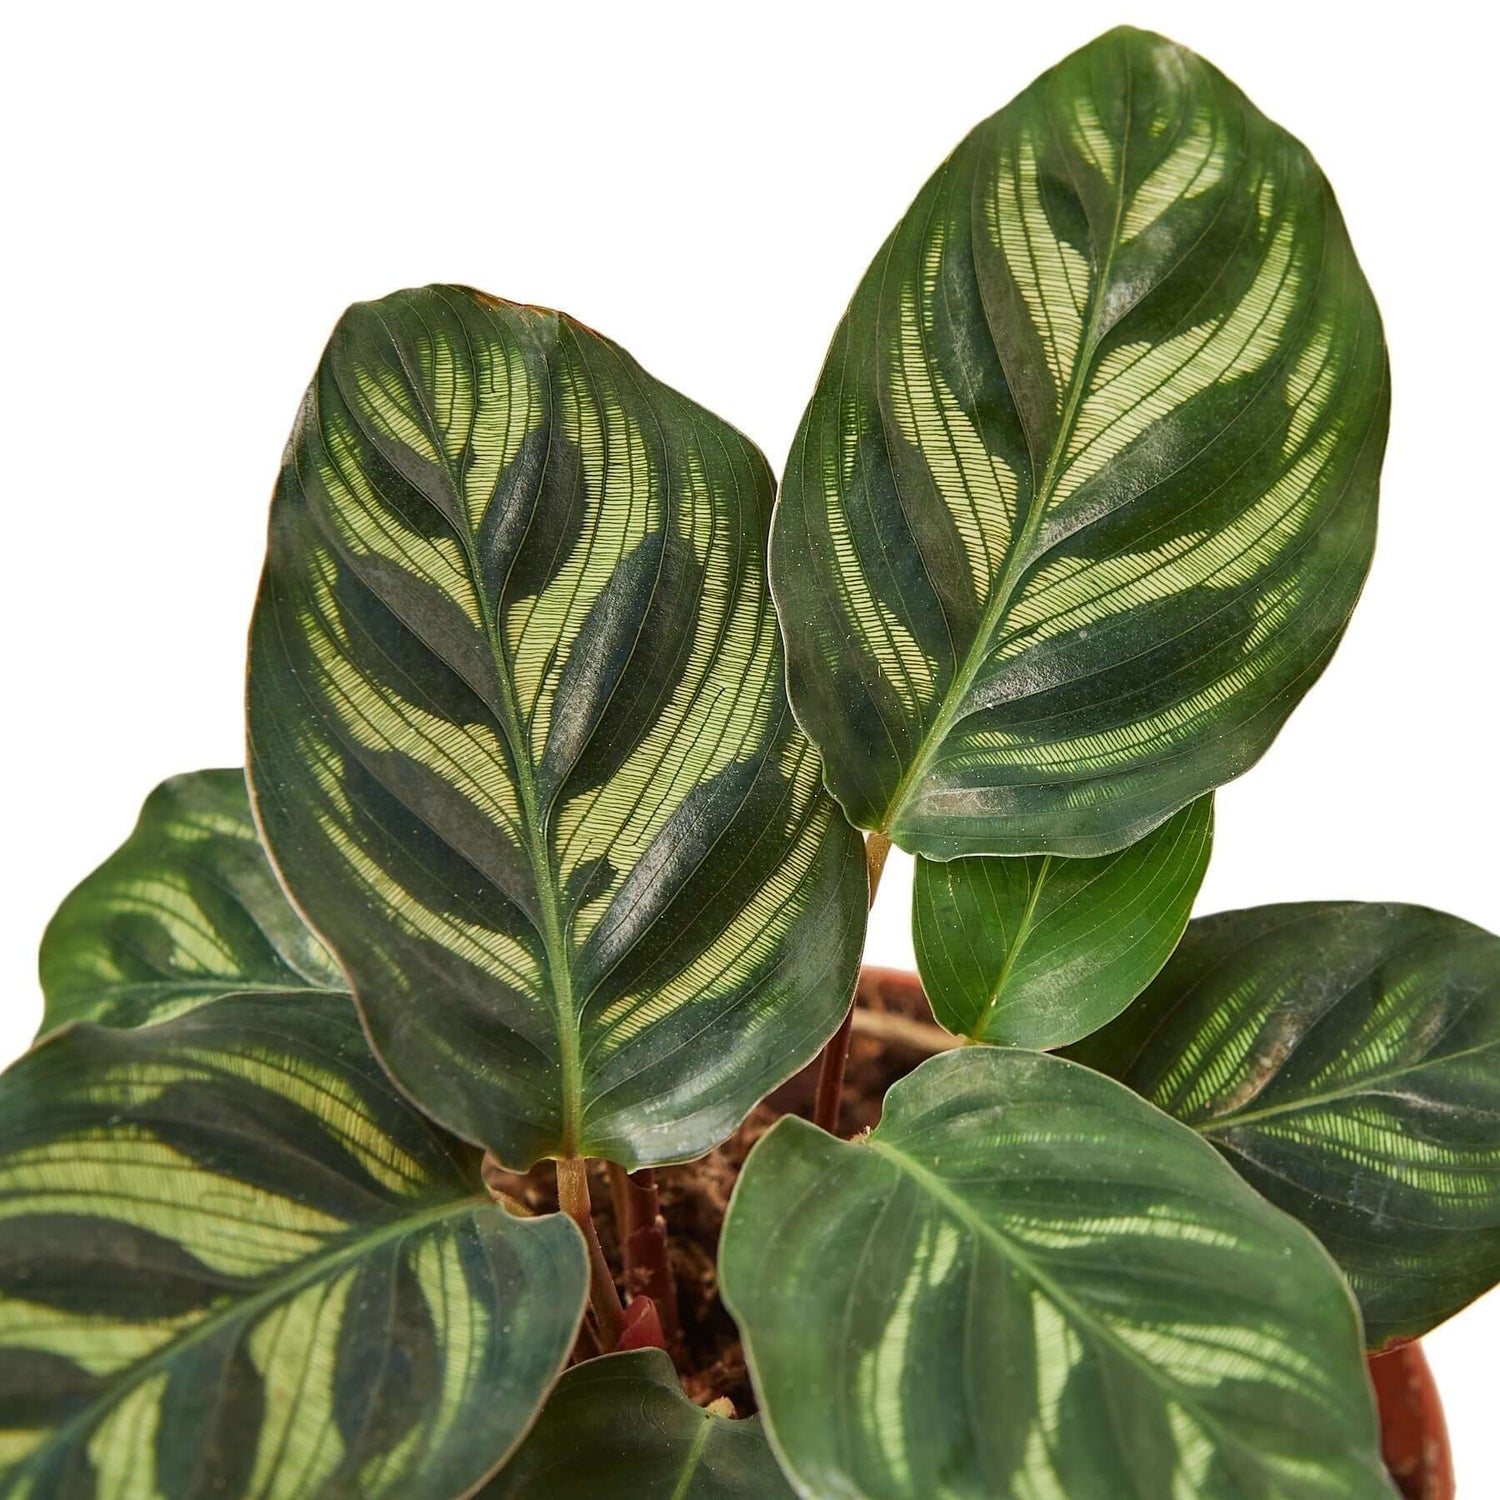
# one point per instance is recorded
(1345, 1058)
(1086, 492)
(1044, 1289)
(520, 742)
(235, 1262)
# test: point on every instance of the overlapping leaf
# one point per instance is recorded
(520, 742)
(1086, 491)
(1345, 1058)
(1039, 951)
(186, 909)
(1026, 1282)
(619, 1428)
(234, 1262)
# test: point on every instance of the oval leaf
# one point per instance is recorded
(619, 1428)
(1040, 951)
(235, 1262)
(1086, 491)
(1345, 1058)
(1026, 1281)
(520, 743)
(186, 909)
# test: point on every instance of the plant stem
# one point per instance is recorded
(643, 1238)
(901, 1031)
(836, 1053)
(604, 1295)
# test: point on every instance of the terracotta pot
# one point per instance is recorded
(1414, 1436)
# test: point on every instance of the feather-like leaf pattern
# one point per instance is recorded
(234, 1262)
(620, 1428)
(1086, 492)
(1039, 951)
(187, 909)
(520, 743)
(1345, 1058)
(1027, 1282)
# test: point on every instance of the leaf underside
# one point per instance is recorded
(1042, 950)
(1047, 1289)
(187, 909)
(1345, 1059)
(620, 1428)
(1086, 491)
(520, 743)
(234, 1262)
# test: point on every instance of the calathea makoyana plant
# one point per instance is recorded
(573, 767)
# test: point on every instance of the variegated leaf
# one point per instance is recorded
(1345, 1058)
(619, 1428)
(1039, 951)
(520, 742)
(235, 1262)
(1026, 1282)
(187, 909)
(1086, 491)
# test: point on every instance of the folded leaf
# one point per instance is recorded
(619, 1428)
(520, 743)
(1345, 1058)
(235, 1262)
(1086, 491)
(187, 909)
(1040, 951)
(1027, 1282)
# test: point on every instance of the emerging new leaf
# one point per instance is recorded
(185, 910)
(1026, 1281)
(1039, 951)
(619, 1428)
(235, 1262)
(1345, 1058)
(1086, 491)
(520, 744)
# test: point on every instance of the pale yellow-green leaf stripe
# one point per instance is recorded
(187, 909)
(234, 1262)
(520, 743)
(1345, 1058)
(1046, 1290)
(1086, 491)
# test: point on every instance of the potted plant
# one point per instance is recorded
(468, 1097)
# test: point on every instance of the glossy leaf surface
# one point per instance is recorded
(1042, 950)
(520, 742)
(1087, 488)
(1026, 1282)
(1345, 1058)
(234, 1262)
(620, 1428)
(188, 908)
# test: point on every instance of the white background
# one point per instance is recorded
(194, 194)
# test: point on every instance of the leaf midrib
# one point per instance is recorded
(305, 1273)
(1018, 559)
(1368, 1085)
(554, 942)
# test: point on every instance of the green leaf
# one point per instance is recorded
(1027, 1282)
(520, 743)
(1040, 951)
(619, 1428)
(1086, 491)
(186, 909)
(1345, 1058)
(235, 1262)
